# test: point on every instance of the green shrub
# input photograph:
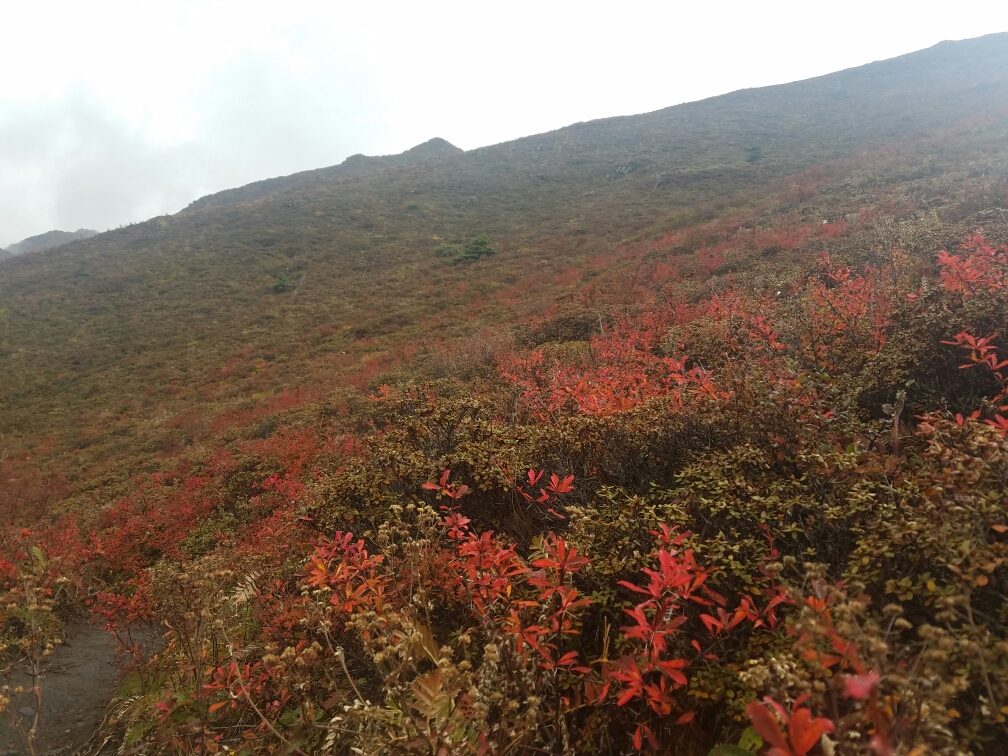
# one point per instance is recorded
(448, 250)
(282, 283)
(477, 248)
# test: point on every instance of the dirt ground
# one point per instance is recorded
(78, 683)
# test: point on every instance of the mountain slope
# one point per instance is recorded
(591, 442)
(145, 320)
(815, 120)
(355, 165)
(49, 240)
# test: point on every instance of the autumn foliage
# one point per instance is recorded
(775, 518)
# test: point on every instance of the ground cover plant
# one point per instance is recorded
(624, 547)
(733, 480)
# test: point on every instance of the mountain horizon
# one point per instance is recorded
(939, 54)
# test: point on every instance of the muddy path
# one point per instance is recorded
(78, 682)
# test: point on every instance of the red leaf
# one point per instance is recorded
(632, 587)
(603, 693)
(567, 659)
(806, 731)
(827, 660)
(861, 686)
(714, 626)
(627, 694)
(687, 717)
(650, 736)
(558, 486)
(766, 725)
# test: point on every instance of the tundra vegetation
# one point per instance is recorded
(715, 463)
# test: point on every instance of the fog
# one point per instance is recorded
(114, 112)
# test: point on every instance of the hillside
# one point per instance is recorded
(48, 240)
(715, 348)
(162, 307)
(355, 165)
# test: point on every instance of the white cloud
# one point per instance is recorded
(116, 111)
(69, 162)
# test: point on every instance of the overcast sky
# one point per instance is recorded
(112, 112)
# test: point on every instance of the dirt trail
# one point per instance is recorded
(79, 681)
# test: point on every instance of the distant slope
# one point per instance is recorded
(49, 240)
(782, 127)
(308, 279)
(4, 253)
(355, 165)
